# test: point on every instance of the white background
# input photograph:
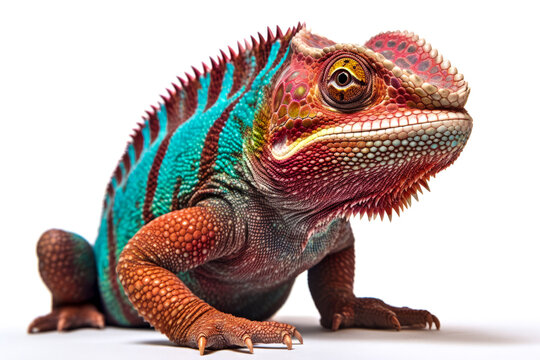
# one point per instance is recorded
(75, 77)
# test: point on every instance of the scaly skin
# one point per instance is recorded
(246, 176)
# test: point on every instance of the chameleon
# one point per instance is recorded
(246, 175)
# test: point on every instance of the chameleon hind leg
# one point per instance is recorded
(67, 266)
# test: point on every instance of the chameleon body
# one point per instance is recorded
(246, 175)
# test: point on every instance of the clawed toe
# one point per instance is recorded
(437, 322)
(297, 335)
(374, 313)
(67, 318)
(417, 318)
(287, 341)
(395, 322)
(249, 344)
(336, 321)
(202, 344)
(43, 323)
(222, 331)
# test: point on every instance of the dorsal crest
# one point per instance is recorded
(183, 99)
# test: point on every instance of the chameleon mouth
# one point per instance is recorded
(429, 127)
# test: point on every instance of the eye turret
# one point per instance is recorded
(346, 83)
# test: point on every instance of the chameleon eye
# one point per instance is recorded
(346, 83)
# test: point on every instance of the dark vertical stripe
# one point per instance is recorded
(191, 97)
(216, 80)
(118, 175)
(240, 71)
(211, 144)
(138, 142)
(175, 203)
(126, 309)
(110, 190)
(153, 122)
(282, 50)
(261, 54)
(173, 109)
(127, 162)
(151, 183)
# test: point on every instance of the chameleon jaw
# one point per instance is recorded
(372, 172)
(425, 124)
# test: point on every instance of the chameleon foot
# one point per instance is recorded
(68, 317)
(217, 330)
(374, 313)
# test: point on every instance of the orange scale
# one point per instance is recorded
(282, 111)
(307, 123)
(304, 111)
(294, 109)
(287, 99)
(278, 98)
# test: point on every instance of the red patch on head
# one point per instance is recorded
(402, 50)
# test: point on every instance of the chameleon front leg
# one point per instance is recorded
(179, 241)
(331, 286)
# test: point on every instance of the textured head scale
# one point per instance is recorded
(347, 129)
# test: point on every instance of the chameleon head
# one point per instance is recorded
(347, 129)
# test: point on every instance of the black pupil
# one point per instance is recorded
(343, 78)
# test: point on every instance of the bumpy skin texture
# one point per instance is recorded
(246, 176)
(68, 269)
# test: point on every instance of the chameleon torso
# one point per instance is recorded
(171, 160)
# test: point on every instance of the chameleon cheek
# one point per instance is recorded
(290, 95)
(293, 109)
